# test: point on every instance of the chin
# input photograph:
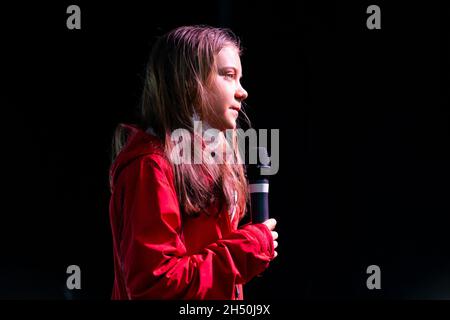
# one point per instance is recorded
(227, 124)
(231, 125)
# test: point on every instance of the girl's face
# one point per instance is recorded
(227, 91)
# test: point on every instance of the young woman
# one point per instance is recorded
(175, 221)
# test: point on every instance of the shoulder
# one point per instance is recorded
(157, 162)
(146, 177)
(153, 164)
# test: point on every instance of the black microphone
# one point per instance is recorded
(259, 186)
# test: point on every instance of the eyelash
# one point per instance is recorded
(230, 75)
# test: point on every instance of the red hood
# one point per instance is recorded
(139, 143)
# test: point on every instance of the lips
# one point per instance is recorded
(235, 108)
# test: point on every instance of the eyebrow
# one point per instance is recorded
(230, 67)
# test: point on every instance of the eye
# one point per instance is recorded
(230, 75)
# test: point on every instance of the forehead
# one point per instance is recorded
(228, 57)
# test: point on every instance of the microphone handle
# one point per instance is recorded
(259, 197)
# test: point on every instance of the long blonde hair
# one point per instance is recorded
(176, 87)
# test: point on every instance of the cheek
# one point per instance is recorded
(228, 90)
(222, 92)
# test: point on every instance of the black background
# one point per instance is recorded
(364, 140)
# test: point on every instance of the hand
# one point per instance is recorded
(271, 223)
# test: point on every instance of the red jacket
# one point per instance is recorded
(160, 254)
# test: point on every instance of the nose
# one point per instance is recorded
(241, 94)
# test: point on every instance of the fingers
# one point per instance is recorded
(275, 245)
(270, 223)
(274, 235)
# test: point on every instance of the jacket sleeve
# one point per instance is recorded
(153, 256)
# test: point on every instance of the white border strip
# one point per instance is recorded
(259, 187)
